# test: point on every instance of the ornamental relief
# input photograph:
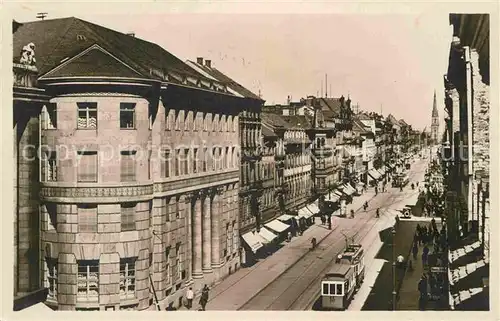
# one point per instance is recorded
(97, 192)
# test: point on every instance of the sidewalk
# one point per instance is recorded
(238, 288)
(241, 286)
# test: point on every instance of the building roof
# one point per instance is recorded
(298, 121)
(223, 78)
(363, 116)
(267, 131)
(273, 120)
(402, 122)
(359, 127)
(391, 119)
(81, 48)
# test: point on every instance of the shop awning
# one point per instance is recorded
(374, 174)
(463, 271)
(346, 190)
(457, 298)
(458, 253)
(412, 200)
(381, 171)
(284, 217)
(303, 212)
(267, 235)
(252, 240)
(313, 208)
(277, 226)
(332, 197)
(349, 187)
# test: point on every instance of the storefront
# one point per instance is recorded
(374, 175)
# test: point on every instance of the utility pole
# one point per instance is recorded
(394, 294)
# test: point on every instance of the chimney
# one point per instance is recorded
(132, 34)
(199, 60)
(208, 63)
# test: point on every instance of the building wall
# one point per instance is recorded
(26, 189)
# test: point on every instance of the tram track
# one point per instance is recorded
(309, 271)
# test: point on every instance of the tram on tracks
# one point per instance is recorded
(342, 281)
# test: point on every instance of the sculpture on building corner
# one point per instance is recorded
(28, 55)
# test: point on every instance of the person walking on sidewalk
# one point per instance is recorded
(425, 255)
(204, 297)
(189, 298)
(415, 249)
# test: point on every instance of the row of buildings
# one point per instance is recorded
(465, 159)
(138, 175)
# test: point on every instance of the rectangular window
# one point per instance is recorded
(205, 159)
(127, 217)
(169, 116)
(87, 115)
(178, 262)
(228, 239)
(88, 281)
(127, 278)
(51, 166)
(195, 160)
(164, 209)
(235, 237)
(177, 162)
(49, 116)
(127, 166)
(165, 164)
(87, 218)
(339, 289)
(51, 278)
(325, 289)
(127, 115)
(186, 162)
(168, 278)
(149, 164)
(87, 166)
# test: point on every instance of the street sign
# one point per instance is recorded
(439, 269)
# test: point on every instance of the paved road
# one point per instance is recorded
(298, 287)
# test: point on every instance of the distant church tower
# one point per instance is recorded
(435, 122)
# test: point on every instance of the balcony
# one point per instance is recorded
(25, 76)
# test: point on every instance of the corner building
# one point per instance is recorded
(138, 170)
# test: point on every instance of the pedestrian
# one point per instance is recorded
(415, 250)
(204, 297)
(422, 288)
(425, 255)
(313, 243)
(289, 236)
(189, 298)
(170, 307)
(323, 220)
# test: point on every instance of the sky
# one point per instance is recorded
(385, 61)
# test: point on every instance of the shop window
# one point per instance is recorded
(88, 281)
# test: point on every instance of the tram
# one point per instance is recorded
(339, 285)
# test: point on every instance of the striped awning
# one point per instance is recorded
(277, 226)
(458, 253)
(267, 235)
(457, 298)
(252, 240)
(305, 213)
(350, 188)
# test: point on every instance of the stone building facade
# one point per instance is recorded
(138, 174)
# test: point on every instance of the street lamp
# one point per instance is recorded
(393, 269)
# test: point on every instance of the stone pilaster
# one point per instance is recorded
(215, 226)
(197, 239)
